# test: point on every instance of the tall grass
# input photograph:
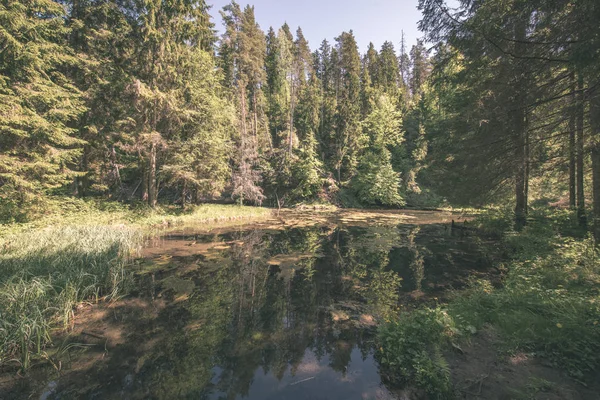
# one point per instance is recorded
(76, 252)
(45, 273)
(93, 212)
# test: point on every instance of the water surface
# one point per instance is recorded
(281, 311)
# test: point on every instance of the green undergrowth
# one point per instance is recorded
(78, 253)
(548, 306)
(411, 351)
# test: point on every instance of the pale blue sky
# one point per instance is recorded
(371, 20)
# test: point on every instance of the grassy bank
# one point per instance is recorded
(73, 211)
(548, 307)
(77, 253)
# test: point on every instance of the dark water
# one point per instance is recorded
(266, 314)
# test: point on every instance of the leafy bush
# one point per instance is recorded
(410, 351)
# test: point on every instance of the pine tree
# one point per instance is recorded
(388, 71)
(39, 105)
(301, 68)
(348, 135)
(326, 72)
(246, 50)
(404, 66)
(376, 182)
(308, 170)
(371, 63)
(104, 37)
(420, 67)
(168, 34)
(199, 154)
(276, 87)
(511, 79)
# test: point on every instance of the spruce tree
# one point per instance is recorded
(376, 182)
(39, 104)
(244, 47)
(349, 139)
(419, 67)
(389, 71)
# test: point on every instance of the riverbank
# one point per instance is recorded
(540, 328)
(77, 254)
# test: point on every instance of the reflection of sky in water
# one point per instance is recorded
(314, 379)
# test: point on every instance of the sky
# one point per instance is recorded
(372, 20)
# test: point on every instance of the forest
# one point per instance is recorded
(141, 101)
(261, 212)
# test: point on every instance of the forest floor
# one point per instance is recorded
(481, 370)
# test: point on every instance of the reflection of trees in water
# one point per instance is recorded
(408, 257)
(366, 263)
(248, 315)
(417, 262)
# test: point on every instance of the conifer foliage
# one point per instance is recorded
(39, 103)
(141, 101)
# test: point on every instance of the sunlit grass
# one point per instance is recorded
(549, 305)
(73, 211)
(45, 273)
(77, 253)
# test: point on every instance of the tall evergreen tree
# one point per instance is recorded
(376, 182)
(419, 66)
(389, 71)
(245, 50)
(404, 65)
(371, 63)
(39, 105)
(348, 135)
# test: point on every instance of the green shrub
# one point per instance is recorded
(410, 351)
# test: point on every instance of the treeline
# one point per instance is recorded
(518, 83)
(140, 100)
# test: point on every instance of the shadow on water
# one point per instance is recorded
(264, 314)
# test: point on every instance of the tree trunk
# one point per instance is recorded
(116, 171)
(580, 155)
(184, 193)
(255, 114)
(527, 165)
(521, 184)
(144, 168)
(85, 181)
(595, 136)
(596, 187)
(572, 152)
(152, 189)
(243, 138)
(520, 135)
(291, 133)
